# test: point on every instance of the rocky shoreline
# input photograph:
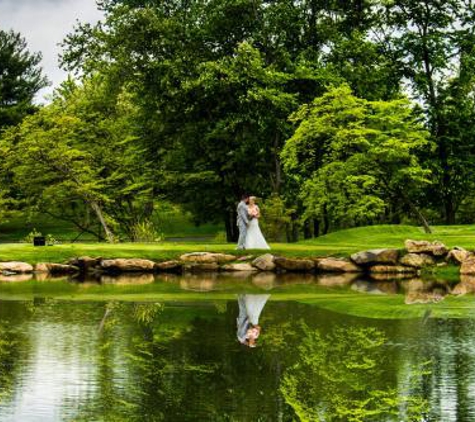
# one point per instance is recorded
(398, 263)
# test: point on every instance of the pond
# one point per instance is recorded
(329, 349)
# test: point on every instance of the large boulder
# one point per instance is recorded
(16, 277)
(53, 268)
(290, 264)
(457, 255)
(264, 262)
(339, 265)
(127, 265)
(207, 257)
(391, 269)
(169, 266)
(435, 248)
(417, 260)
(239, 267)
(376, 256)
(15, 267)
(468, 266)
(86, 263)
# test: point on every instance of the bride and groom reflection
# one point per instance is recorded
(250, 308)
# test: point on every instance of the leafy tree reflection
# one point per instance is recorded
(340, 376)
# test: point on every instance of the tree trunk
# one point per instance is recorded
(417, 213)
(316, 227)
(307, 232)
(97, 209)
(232, 233)
(326, 220)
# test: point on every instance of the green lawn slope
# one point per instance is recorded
(341, 243)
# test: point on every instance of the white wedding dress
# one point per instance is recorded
(254, 238)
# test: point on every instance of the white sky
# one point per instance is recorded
(44, 24)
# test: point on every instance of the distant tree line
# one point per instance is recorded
(347, 113)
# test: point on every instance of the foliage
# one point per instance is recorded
(30, 236)
(275, 218)
(20, 79)
(352, 157)
(335, 376)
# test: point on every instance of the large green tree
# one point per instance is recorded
(20, 78)
(353, 158)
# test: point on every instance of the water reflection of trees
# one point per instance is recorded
(342, 376)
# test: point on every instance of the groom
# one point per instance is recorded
(242, 221)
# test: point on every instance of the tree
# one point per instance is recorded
(78, 154)
(353, 157)
(20, 78)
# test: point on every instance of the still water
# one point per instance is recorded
(179, 358)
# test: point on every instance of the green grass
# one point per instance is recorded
(340, 243)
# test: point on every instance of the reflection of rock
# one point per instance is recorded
(387, 287)
(290, 264)
(468, 266)
(333, 280)
(16, 277)
(458, 255)
(366, 287)
(168, 266)
(296, 278)
(420, 292)
(391, 269)
(50, 277)
(238, 267)
(201, 267)
(466, 285)
(264, 262)
(265, 280)
(376, 256)
(207, 257)
(391, 276)
(52, 268)
(127, 265)
(198, 284)
(337, 265)
(124, 279)
(422, 246)
(16, 267)
(417, 260)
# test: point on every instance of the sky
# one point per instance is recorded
(44, 24)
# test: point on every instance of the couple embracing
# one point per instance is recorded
(250, 235)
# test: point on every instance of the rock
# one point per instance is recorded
(168, 266)
(245, 258)
(207, 257)
(86, 263)
(15, 267)
(457, 255)
(239, 267)
(468, 266)
(202, 267)
(392, 269)
(337, 265)
(264, 262)
(376, 256)
(435, 248)
(53, 268)
(289, 264)
(417, 260)
(127, 265)
(127, 279)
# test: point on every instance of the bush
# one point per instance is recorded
(146, 231)
(275, 218)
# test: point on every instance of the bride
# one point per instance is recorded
(254, 237)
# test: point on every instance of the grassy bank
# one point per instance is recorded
(340, 243)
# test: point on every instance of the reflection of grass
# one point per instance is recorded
(343, 242)
(341, 300)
